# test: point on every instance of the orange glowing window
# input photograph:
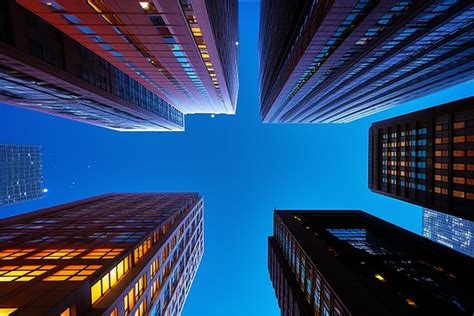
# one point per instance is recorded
(439, 127)
(459, 125)
(459, 180)
(134, 294)
(470, 138)
(5, 311)
(470, 153)
(459, 166)
(103, 253)
(459, 153)
(438, 190)
(22, 273)
(114, 312)
(444, 191)
(470, 196)
(56, 254)
(459, 194)
(66, 312)
(141, 250)
(73, 273)
(99, 288)
(470, 181)
(10, 254)
(459, 139)
(470, 167)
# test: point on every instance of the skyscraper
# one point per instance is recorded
(42, 69)
(450, 231)
(337, 61)
(427, 158)
(351, 263)
(116, 254)
(20, 173)
(184, 51)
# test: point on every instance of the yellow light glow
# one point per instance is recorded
(205, 55)
(145, 5)
(6, 311)
(379, 277)
(410, 302)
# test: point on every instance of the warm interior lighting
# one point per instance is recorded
(6, 311)
(379, 277)
(73, 273)
(410, 302)
(145, 5)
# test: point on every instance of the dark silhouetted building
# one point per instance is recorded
(336, 61)
(450, 231)
(116, 254)
(345, 263)
(20, 173)
(427, 158)
(183, 51)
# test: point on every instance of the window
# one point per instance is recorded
(459, 125)
(10, 254)
(85, 29)
(459, 180)
(22, 273)
(459, 194)
(134, 294)
(459, 166)
(55, 254)
(73, 273)
(66, 312)
(109, 280)
(459, 139)
(459, 153)
(103, 253)
(5, 311)
(141, 250)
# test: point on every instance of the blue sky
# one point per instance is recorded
(244, 169)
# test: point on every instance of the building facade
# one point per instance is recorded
(184, 51)
(116, 254)
(20, 173)
(450, 231)
(427, 158)
(337, 61)
(351, 263)
(43, 69)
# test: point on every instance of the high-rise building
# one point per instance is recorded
(337, 61)
(350, 263)
(185, 51)
(450, 231)
(427, 158)
(20, 173)
(42, 69)
(116, 254)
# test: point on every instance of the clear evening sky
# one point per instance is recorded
(244, 169)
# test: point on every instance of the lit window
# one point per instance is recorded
(22, 273)
(148, 7)
(134, 294)
(56, 254)
(67, 312)
(9, 254)
(379, 277)
(103, 253)
(459, 180)
(459, 194)
(141, 250)
(459, 153)
(5, 311)
(459, 166)
(410, 302)
(73, 273)
(459, 139)
(110, 279)
(459, 125)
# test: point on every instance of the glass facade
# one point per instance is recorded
(450, 231)
(20, 173)
(426, 158)
(52, 73)
(117, 254)
(369, 56)
(314, 255)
